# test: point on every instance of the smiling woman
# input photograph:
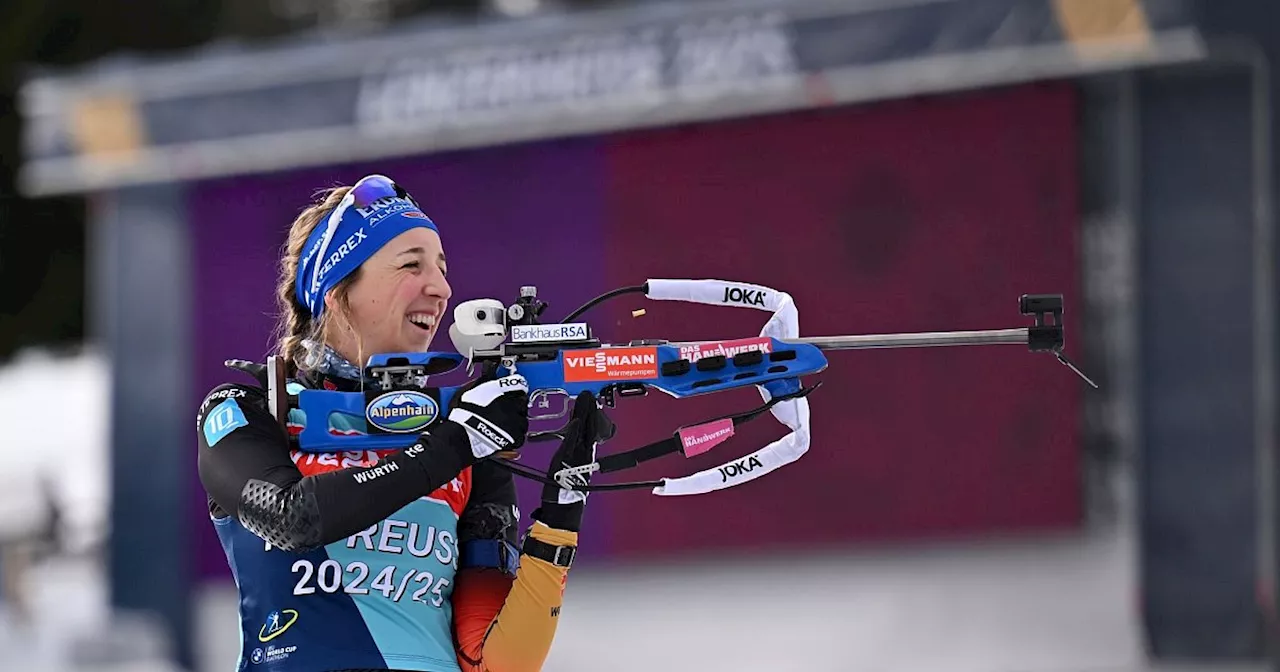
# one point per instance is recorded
(402, 559)
(389, 303)
(396, 302)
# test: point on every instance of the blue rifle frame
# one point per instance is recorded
(778, 370)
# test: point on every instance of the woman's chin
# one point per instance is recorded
(417, 340)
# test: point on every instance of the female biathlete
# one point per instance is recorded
(384, 559)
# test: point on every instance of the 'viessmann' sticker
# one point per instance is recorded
(584, 366)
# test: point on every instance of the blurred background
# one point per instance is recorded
(895, 165)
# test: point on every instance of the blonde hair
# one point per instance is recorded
(295, 324)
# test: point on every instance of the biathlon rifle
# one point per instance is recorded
(559, 360)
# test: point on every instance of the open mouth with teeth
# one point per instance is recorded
(422, 321)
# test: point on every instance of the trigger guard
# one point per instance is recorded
(537, 397)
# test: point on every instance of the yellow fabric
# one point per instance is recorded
(506, 625)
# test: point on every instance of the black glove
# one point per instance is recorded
(495, 414)
(588, 426)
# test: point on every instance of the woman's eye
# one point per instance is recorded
(411, 264)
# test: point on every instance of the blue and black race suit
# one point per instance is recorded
(344, 561)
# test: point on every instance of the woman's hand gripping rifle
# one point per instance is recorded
(563, 496)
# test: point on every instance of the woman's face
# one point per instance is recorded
(400, 297)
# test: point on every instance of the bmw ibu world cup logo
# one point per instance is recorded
(402, 412)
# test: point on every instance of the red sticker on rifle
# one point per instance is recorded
(582, 366)
(698, 439)
(727, 348)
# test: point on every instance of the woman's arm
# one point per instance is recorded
(245, 466)
(504, 624)
(508, 625)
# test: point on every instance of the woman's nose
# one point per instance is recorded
(438, 287)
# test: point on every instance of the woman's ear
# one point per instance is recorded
(336, 310)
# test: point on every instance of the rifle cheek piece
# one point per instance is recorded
(478, 325)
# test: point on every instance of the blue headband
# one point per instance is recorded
(372, 213)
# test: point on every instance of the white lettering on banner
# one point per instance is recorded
(744, 296)
(585, 73)
(739, 50)
(331, 577)
(493, 78)
(739, 468)
(574, 331)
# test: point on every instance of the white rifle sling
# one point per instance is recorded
(794, 413)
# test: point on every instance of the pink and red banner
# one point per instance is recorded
(918, 215)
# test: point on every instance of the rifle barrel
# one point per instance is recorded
(1017, 336)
